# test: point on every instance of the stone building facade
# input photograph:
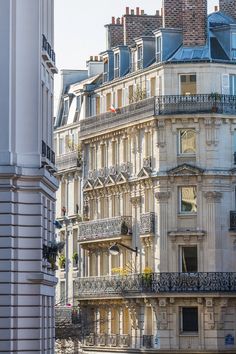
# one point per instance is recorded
(27, 184)
(156, 227)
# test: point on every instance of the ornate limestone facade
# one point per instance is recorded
(158, 176)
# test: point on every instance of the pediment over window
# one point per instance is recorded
(121, 178)
(99, 182)
(109, 181)
(87, 185)
(185, 169)
(144, 172)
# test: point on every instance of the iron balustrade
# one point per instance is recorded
(105, 228)
(205, 103)
(131, 113)
(48, 153)
(233, 220)
(147, 223)
(234, 158)
(69, 160)
(47, 47)
(105, 340)
(161, 105)
(148, 341)
(120, 285)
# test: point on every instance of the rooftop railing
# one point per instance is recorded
(120, 285)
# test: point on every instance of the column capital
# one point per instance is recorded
(162, 196)
(136, 200)
(213, 196)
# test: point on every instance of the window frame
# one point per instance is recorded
(182, 330)
(180, 153)
(180, 211)
(181, 248)
(180, 83)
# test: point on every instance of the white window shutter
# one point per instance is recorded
(225, 85)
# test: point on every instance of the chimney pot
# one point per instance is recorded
(91, 58)
(137, 11)
(142, 12)
(216, 8)
(122, 20)
(118, 21)
(127, 10)
(132, 12)
(157, 13)
(113, 20)
(96, 58)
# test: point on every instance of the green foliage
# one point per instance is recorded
(62, 261)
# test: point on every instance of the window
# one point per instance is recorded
(117, 65)
(188, 84)
(158, 49)
(98, 105)
(61, 146)
(187, 141)
(189, 319)
(232, 84)
(131, 93)
(66, 108)
(78, 103)
(233, 45)
(119, 98)
(188, 200)
(153, 86)
(108, 101)
(140, 57)
(114, 153)
(62, 293)
(189, 263)
(103, 155)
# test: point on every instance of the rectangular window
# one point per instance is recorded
(158, 49)
(188, 200)
(114, 153)
(119, 98)
(153, 86)
(189, 260)
(189, 319)
(187, 141)
(232, 84)
(61, 146)
(108, 101)
(62, 293)
(188, 84)
(131, 93)
(117, 65)
(233, 45)
(103, 155)
(98, 105)
(140, 57)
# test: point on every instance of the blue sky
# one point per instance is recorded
(80, 32)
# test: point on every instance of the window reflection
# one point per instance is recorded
(188, 200)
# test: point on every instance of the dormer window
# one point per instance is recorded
(233, 45)
(117, 65)
(140, 57)
(105, 71)
(158, 49)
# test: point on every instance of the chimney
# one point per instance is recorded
(137, 11)
(228, 7)
(216, 8)
(113, 20)
(194, 22)
(127, 10)
(172, 14)
(142, 12)
(157, 13)
(132, 12)
(114, 33)
(118, 21)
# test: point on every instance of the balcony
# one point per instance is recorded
(48, 55)
(48, 156)
(124, 115)
(67, 322)
(69, 161)
(232, 220)
(105, 228)
(208, 103)
(155, 283)
(147, 224)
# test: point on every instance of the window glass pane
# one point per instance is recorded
(233, 40)
(188, 84)
(190, 319)
(187, 141)
(189, 259)
(188, 200)
(232, 84)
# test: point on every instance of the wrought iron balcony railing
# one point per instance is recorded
(161, 105)
(147, 223)
(70, 160)
(233, 220)
(48, 153)
(207, 103)
(48, 49)
(209, 282)
(105, 228)
(130, 113)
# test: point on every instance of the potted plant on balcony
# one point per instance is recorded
(75, 258)
(147, 278)
(214, 98)
(62, 261)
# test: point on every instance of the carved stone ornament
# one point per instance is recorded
(213, 197)
(136, 200)
(162, 196)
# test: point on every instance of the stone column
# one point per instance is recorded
(121, 330)
(98, 255)
(213, 227)
(162, 229)
(136, 202)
